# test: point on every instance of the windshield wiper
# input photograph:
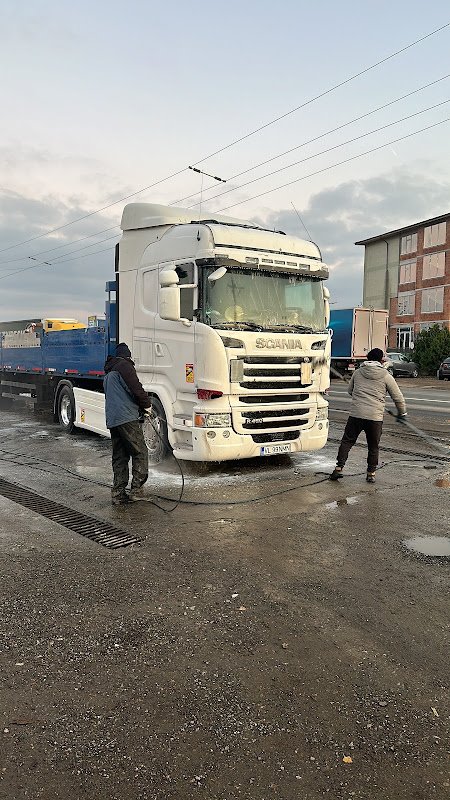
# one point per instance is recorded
(251, 326)
(287, 327)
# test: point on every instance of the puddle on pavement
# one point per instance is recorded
(431, 546)
(345, 501)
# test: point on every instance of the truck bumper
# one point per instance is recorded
(236, 446)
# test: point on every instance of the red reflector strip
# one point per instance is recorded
(36, 369)
(208, 394)
(71, 371)
(96, 372)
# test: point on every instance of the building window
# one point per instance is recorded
(408, 271)
(408, 244)
(406, 302)
(425, 326)
(434, 265)
(432, 300)
(405, 338)
(435, 234)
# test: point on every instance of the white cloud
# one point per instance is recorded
(73, 284)
(338, 216)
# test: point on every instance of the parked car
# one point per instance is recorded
(443, 372)
(398, 364)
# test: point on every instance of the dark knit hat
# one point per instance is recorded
(123, 351)
(375, 355)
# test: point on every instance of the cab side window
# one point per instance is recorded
(150, 289)
(187, 284)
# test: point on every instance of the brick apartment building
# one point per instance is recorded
(408, 272)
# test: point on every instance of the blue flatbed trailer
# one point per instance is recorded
(39, 364)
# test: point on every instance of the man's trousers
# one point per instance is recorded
(128, 442)
(353, 428)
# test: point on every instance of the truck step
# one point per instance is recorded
(181, 421)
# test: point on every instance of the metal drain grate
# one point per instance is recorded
(94, 529)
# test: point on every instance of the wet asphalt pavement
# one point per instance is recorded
(290, 646)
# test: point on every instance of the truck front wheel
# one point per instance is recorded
(66, 409)
(155, 433)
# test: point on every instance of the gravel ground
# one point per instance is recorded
(289, 647)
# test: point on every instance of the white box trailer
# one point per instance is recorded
(356, 331)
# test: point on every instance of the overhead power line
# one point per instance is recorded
(332, 166)
(261, 194)
(323, 94)
(86, 247)
(236, 141)
(239, 174)
(249, 169)
(328, 150)
(67, 244)
(92, 213)
(314, 139)
(51, 264)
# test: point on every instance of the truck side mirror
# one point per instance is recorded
(169, 297)
(326, 300)
(217, 274)
(168, 277)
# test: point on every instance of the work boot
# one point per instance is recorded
(120, 499)
(370, 477)
(336, 474)
(136, 494)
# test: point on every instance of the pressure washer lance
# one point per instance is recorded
(443, 448)
(437, 445)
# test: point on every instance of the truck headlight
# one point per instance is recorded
(212, 420)
(322, 413)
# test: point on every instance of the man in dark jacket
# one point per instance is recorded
(125, 400)
(367, 388)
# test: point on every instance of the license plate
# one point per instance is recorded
(274, 449)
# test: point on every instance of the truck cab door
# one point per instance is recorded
(174, 350)
(145, 308)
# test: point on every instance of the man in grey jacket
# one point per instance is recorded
(368, 387)
(125, 401)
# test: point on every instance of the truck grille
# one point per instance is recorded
(282, 417)
(272, 372)
(265, 438)
(273, 398)
(265, 420)
(272, 417)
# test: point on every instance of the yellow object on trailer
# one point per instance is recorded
(61, 324)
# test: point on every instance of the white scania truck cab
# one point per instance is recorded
(227, 324)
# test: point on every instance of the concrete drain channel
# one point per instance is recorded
(94, 529)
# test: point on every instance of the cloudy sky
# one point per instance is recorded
(100, 100)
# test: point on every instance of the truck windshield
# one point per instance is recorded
(263, 300)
